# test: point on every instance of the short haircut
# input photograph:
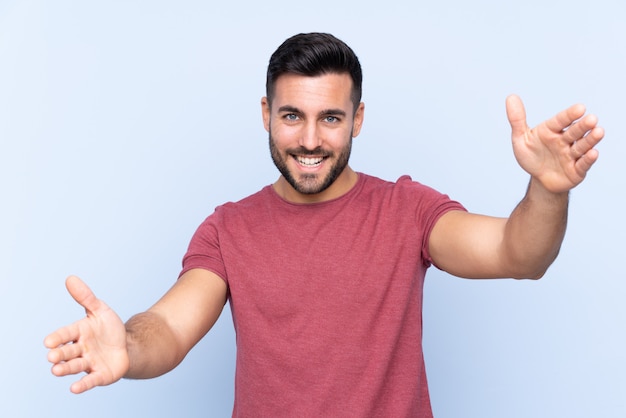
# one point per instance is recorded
(311, 55)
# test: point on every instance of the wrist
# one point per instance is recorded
(536, 190)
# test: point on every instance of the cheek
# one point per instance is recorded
(338, 138)
(283, 134)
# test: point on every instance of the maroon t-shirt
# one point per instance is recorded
(326, 298)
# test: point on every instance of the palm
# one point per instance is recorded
(557, 152)
(95, 344)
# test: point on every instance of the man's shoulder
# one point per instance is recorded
(404, 195)
(404, 184)
(249, 202)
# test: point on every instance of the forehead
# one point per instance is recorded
(326, 90)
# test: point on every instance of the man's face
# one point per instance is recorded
(311, 124)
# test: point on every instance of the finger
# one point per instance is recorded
(74, 366)
(66, 352)
(80, 386)
(579, 129)
(575, 150)
(61, 336)
(82, 294)
(584, 163)
(516, 114)
(86, 383)
(565, 118)
(588, 142)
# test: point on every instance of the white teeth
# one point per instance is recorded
(310, 162)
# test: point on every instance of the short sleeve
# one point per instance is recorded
(204, 248)
(430, 205)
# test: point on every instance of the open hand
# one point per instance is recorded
(95, 344)
(559, 151)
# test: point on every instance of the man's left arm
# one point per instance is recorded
(557, 154)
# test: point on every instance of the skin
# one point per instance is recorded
(557, 154)
(148, 345)
(313, 117)
(322, 126)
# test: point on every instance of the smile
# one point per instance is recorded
(309, 161)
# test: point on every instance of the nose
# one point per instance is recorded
(310, 136)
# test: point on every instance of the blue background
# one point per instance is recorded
(124, 123)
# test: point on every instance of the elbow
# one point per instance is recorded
(533, 268)
(535, 276)
(528, 276)
(531, 272)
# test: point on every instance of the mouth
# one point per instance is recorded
(309, 162)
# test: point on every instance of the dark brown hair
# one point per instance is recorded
(314, 54)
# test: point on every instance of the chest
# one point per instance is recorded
(321, 269)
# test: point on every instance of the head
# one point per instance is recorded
(312, 111)
(314, 54)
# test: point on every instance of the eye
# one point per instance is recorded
(331, 119)
(291, 117)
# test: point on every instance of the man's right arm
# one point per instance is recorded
(150, 344)
(159, 339)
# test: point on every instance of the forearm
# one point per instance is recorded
(152, 346)
(534, 231)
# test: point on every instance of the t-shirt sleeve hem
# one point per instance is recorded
(192, 266)
(442, 210)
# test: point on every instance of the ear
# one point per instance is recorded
(265, 111)
(358, 120)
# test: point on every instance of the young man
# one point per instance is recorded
(324, 269)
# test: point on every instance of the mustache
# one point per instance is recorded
(318, 152)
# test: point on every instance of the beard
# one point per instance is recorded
(310, 183)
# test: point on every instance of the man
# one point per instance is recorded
(324, 269)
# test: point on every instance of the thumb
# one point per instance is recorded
(82, 294)
(516, 114)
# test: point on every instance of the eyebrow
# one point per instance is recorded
(325, 112)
